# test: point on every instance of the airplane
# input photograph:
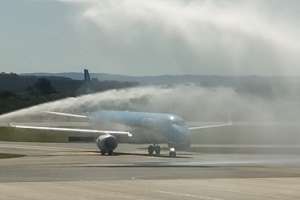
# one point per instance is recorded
(132, 127)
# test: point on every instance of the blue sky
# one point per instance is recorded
(139, 37)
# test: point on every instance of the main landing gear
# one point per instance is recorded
(155, 149)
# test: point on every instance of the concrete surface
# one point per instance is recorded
(77, 171)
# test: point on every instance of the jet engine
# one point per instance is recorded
(107, 144)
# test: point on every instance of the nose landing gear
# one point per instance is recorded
(155, 150)
(172, 152)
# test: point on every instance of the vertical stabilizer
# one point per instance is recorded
(87, 75)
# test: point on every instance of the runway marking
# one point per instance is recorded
(33, 147)
(188, 195)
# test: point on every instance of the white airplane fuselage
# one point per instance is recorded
(112, 127)
(151, 128)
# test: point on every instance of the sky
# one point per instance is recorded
(142, 37)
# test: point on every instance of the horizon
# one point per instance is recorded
(158, 75)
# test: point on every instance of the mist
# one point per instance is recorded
(189, 101)
(256, 120)
(223, 37)
(187, 36)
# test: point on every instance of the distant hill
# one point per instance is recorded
(19, 91)
(156, 80)
(264, 86)
(16, 83)
(62, 82)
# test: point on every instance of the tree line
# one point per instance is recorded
(18, 91)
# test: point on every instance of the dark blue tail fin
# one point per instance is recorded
(87, 75)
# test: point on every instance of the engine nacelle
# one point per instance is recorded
(107, 143)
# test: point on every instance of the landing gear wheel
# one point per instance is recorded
(157, 150)
(110, 153)
(102, 152)
(172, 152)
(150, 150)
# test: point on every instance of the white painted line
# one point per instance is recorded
(33, 147)
(188, 195)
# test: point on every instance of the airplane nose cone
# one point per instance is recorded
(181, 130)
(181, 136)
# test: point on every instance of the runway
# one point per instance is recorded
(77, 171)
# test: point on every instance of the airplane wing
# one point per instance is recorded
(75, 130)
(205, 126)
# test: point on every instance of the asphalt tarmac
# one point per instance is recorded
(77, 171)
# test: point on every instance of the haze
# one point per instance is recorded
(137, 37)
